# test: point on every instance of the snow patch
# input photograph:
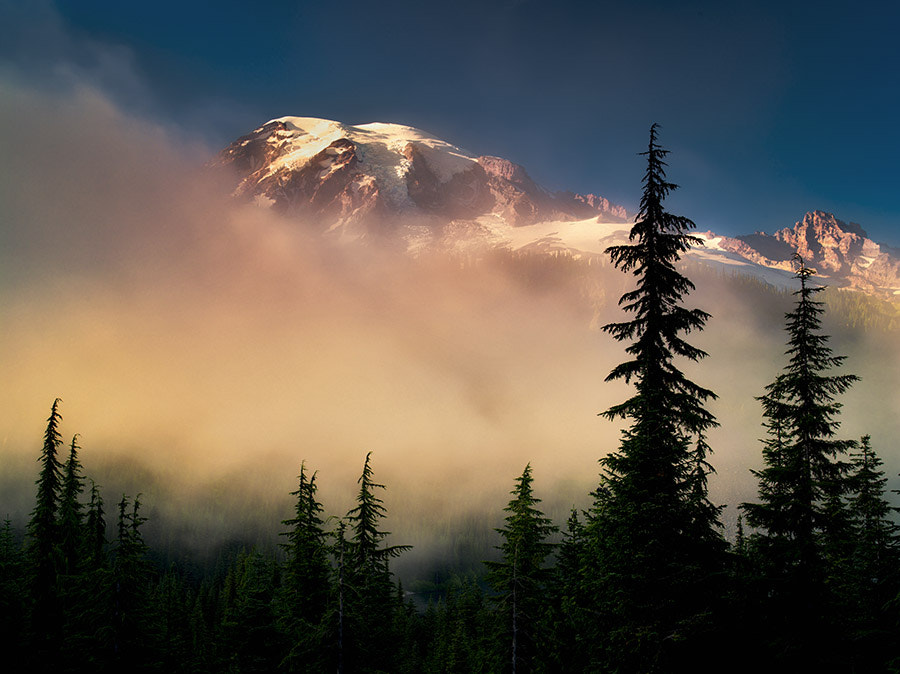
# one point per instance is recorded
(379, 145)
(263, 201)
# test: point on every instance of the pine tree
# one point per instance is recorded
(131, 628)
(876, 534)
(95, 533)
(369, 600)
(801, 522)
(520, 578)
(570, 612)
(874, 575)
(305, 584)
(43, 527)
(654, 533)
(44, 547)
(70, 511)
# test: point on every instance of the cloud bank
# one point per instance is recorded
(204, 350)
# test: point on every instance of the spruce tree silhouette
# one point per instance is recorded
(520, 578)
(800, 517)
(652, 529)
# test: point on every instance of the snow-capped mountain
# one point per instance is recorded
(401, 184)
(837, 250)
(349, 177)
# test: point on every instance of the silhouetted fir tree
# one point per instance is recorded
(520, 579)
(70, 511)
(876, 543)
(88, 642)
(369, 599)
(81, 590)
(132, 632)
(43, 540)
(654, 534)
(569, 612)
(95, 533)
(875, 562)
(800, 519)
(304, 593)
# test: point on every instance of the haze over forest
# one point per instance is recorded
(206, 348)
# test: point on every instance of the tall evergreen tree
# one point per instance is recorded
(131, 628)
(654, 533)
(521, 578)
(800, 519)
(95, 534)
(43, 539)
(305, 581)
(70, 511)
(569, 609)
(875, 531)
(875, 561)
(43, 527)
(369, 601)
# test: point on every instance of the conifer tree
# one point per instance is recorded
(875, 562)
(44, 547)
(95, 533)
(520, 578)
(43, 527)
(305, 583)
(800, 519)
(568, 599)
(369, 601)
(654, 533)
(875, 530)
(131, 627)
(70, 511)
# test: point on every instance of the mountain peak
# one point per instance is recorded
(840, 252)
(409, 188)
(343, 178)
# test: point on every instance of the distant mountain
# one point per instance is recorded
(839, 251)
(399, 184)
(350, 177)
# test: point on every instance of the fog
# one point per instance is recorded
(204, 349)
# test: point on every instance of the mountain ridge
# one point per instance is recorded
(393, 182)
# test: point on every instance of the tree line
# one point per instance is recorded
(642, 581)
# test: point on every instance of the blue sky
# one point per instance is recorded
(770, 109)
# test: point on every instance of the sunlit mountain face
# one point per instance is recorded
(389, 183)
(322, 290)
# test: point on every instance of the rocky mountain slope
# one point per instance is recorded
(403, 185)
(352, 177)
(839, 251)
